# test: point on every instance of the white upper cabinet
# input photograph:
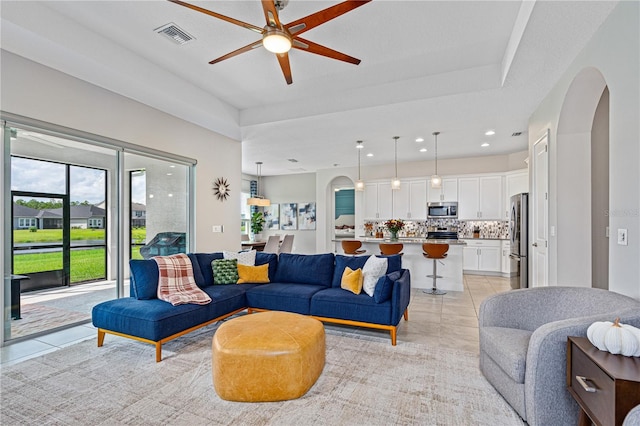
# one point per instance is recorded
(410, 201)
(480, 198)
(515, 183)
(448, 191)
(378, 200)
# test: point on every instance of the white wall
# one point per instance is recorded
(614, 52)
(35, 91)
(300, 188)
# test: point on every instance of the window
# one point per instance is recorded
(27, 222)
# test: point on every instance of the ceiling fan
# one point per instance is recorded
(279, 38)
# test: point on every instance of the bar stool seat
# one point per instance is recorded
(391, 248)
(435, 251)
(351, 247)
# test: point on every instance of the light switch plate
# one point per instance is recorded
(216, 228)
(622, 237)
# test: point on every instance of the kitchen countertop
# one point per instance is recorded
(408, 240)
(484, 238)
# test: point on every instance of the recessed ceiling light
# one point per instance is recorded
(484, 145)
(370, 154)
(419, 139)
(490, 132)
(423, 149)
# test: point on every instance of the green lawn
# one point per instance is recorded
(138, 235)
(86, 265)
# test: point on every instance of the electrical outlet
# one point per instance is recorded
(622, 237)
(216, 228)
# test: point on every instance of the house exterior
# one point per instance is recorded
(138, 215)
(82, 217)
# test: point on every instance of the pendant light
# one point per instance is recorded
(359, 185)
(258, 200)
(395, 182)
(436, 181)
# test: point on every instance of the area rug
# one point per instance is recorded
(365, 381)
(36, 318)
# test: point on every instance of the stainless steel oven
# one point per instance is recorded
(442, 210)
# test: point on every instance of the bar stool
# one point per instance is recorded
(351, 247)
(391, 248)
(435, 251)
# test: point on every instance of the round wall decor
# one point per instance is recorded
(221, 189)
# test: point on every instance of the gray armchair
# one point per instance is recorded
(523, 344)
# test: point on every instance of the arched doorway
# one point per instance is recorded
(583, 183)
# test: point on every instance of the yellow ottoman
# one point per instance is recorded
(267, 356)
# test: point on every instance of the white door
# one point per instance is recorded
(540, 219)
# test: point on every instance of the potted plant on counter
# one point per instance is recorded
(394, 225)
(257, 223)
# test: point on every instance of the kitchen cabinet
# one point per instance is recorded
(506, 250)
(482, 255)
(410, 201)
(378, 201)
(515, 183)
(447, 192)
(480, 198)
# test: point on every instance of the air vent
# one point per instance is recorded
(174, 33)
(516, 134)
(292, 160)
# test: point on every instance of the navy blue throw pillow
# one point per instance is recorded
(394, 262)
(384, 287)
(144, 279)
(353, 262)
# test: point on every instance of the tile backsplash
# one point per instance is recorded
(498, 229)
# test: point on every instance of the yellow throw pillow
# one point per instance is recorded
(253, 274)
(351, 280)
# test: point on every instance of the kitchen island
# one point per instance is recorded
(450, 268)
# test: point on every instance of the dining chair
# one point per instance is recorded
(287, 244)
(273, 244)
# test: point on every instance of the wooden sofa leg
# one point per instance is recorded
(406, 314)
(101, 334)
(158, 351)
(393, 331)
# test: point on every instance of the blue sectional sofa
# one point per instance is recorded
(303, 284)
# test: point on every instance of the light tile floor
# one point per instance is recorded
(450, 321)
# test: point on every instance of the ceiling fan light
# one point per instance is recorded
(276, 41)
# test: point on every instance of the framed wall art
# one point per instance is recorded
(272, 217)
(306, 216)
(288, 216)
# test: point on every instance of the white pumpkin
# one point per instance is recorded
(596, 333)
(615, 338)
(636, 332)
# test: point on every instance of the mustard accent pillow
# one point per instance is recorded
(253, 274)
(352, 280)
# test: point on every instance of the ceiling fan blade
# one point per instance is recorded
(325, 15)
(219, 16)
(283, 58)
(246, 48)
(271, 14)
(311, 47)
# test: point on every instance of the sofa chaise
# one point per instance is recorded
(523, 344)
(303, 284)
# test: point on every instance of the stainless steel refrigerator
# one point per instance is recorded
(518, 234)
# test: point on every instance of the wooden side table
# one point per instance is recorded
(606, 386)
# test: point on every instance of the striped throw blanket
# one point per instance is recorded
(177, 284)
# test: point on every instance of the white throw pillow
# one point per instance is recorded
(373, 269)
(244, 257)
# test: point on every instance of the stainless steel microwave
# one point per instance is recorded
(442, 210)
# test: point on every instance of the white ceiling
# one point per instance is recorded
(458, 67)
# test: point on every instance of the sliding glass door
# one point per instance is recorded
(79, 209)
